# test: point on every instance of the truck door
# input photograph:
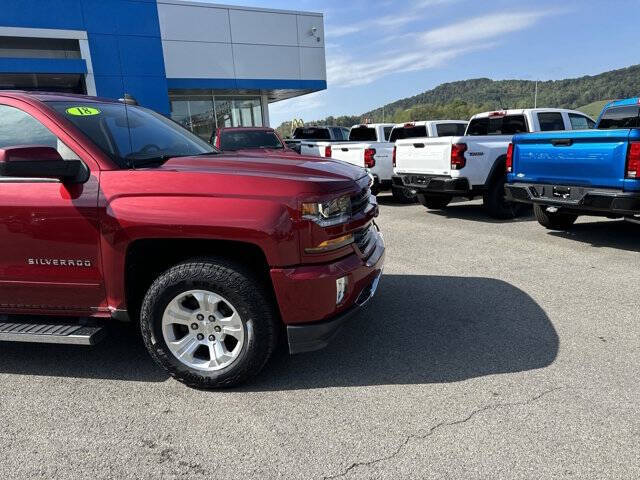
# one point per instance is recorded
(49, 236)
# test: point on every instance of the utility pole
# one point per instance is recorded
(535, 97)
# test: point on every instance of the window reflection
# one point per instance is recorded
(202, 114)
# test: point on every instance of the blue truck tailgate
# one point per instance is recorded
(595, 158)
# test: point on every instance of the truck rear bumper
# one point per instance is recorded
(586, 200)
(379, 185)
(433, 183)
(307, 296)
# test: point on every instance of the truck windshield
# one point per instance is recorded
(499, 125)
(132, 136)
(311, 133)
(620, 117)
(362, 134)
(238, 140)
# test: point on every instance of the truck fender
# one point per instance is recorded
(497, 168)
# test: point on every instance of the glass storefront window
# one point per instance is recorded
(202, 114)
(224, 116)
(248, 112)
(202, 118)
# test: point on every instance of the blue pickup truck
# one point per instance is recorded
(565, 174)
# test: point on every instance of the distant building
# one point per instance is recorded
(203, 64)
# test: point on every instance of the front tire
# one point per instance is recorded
(209, 323)
(403, 195)
(554, 221)
(434, 201)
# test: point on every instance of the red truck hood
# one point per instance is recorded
(338, 175)
(262, 152)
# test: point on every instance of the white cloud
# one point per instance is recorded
(388, 21)
(429, 49)
(411, 13)
(347, 72)
(480, 28)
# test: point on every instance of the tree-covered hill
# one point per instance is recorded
(460, 100)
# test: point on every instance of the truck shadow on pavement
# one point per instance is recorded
(613, 234)
(417, 330)
(425, 329)
(120, 356)
(475, 212)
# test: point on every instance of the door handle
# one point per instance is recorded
(561, 142)
(418, 145)
(344, 149)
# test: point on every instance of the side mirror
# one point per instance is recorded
(34, 161)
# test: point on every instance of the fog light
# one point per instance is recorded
(341, 289)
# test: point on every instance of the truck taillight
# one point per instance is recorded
(510, 158)
(369, 161)
(457, 156)
(393, 158)
(633, 160)
(327, 151)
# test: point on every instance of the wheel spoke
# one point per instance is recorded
(220, 353)
(235, 332)
(232, 321)
(176, 313)
(185, 346)
(213, 362)
(206, 300)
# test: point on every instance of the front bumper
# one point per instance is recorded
(574, 199)
(314, 336)
(306, 295)
(433, 183)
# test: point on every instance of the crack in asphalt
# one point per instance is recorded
(437, 427)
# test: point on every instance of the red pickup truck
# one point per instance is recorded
(111, 211)
(250, 140)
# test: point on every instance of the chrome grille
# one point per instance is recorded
(365, 240)
(360, 201)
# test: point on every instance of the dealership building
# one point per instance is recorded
(204, 64)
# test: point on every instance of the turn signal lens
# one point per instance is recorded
(333, 244)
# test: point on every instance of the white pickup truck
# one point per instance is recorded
(372, 146)
(305, 139)
(473, 165)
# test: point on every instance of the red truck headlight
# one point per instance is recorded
(328, 213)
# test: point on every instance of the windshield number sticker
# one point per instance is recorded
(82, 111)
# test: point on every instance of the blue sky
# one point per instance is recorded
(383, 50)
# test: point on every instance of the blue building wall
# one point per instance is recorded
(124, 41)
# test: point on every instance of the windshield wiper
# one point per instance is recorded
(147, 161)
(213, 152)
(159, 160)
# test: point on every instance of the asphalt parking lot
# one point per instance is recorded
(492, 350)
